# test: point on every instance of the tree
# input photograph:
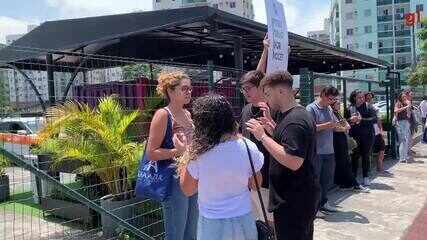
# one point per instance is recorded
(130, 72)
(418, 75)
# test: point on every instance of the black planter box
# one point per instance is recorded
(4, 188)
(70, 211)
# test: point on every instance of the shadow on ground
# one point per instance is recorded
(350, 216)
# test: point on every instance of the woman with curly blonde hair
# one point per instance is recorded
(170, 130)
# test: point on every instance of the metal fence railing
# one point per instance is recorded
(60, 176)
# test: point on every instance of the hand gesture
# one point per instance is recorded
(332, 125)
(266, 42)
(180, 142)
(265, 110)
(269, 125)
(256, 128)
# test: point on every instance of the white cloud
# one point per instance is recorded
(10, 26)
(86, 8)
(300, 17)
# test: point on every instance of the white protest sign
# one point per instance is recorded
(277, 35)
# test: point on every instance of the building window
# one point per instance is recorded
(380, 44)
(348, 1)
(349, 16)
(232, 4)
(337, 14)
(400, 10)
(369, 45)
(349, 31)
(157, 1)
(420, 7)
(368, 29)
(215, 5)
(367, 12)
(385, 12)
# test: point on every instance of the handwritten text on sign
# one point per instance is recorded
(278, 36)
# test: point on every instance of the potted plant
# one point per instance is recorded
(99, 138)
(4, 180)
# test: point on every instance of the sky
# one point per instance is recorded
(15, 15)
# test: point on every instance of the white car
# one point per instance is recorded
(18, 134)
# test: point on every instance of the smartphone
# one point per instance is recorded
(257, 112)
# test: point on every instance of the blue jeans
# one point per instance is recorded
(324, 167)
(403, 135)
(237, 228)
(180, 214)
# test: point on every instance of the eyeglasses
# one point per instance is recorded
(246, 89)
(186, 89)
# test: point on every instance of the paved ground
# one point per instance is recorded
(388, 212)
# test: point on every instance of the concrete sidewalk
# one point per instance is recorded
(387, 211)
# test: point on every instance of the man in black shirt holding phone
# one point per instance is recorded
(294, 188)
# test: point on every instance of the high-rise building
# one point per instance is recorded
(21, 93)
(243, 8)
(367, 27)
(322, 35)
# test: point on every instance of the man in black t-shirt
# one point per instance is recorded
(294, 188)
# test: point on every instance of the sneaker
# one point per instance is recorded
(320, 214)
(361, 189)
(328, 208)
(346, 188)
(366, 181)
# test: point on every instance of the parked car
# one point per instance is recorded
(18, 134)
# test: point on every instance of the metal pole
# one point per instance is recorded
(238, 64)
(414, 54)
(344, 92)
(210, 75)
(394, 34)
(387, 97)
(151, 72)
(50, 78)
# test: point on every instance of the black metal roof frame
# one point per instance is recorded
(187, 35)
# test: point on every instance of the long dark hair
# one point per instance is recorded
(353, 96)
(213, 118)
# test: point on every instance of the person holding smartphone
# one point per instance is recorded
(257, 108)
(324, 165)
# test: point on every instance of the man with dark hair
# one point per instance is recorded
(257, 108)
(294, 189)
(325, 124)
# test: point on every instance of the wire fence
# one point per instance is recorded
(70, 143)
(71, 140)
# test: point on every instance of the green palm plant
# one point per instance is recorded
(99, 138)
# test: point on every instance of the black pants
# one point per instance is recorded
(344, 176)
(363, 151)
(294, 221)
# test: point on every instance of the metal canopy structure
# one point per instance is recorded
(188, 35)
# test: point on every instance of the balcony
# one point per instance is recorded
(388, 18)
(385, 18)
(404, 33)
(385, 50)
(403, 65)
(389, 2)
(385, 34)
(403, 49)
